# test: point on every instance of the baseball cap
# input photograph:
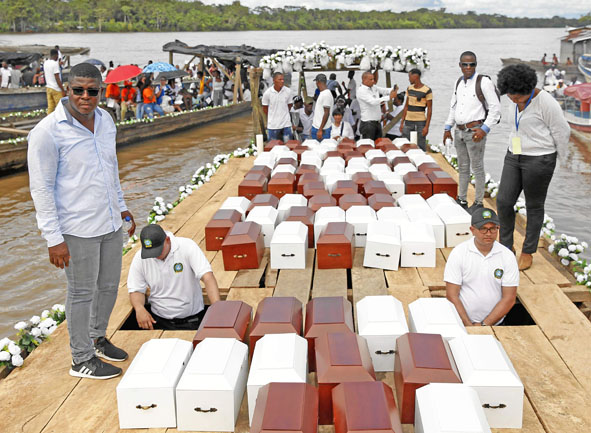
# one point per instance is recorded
(152, 238)
(321, 78)
(297, 99)
(483, 216)
(308, 100)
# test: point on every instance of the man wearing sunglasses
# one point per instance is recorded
(475, 107)
(481, 275)
(74, 183)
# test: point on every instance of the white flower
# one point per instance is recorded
(169, 206)
(36, 332)
(158, 199)
(573, 256)
(155, 208)
(563, 252)
(20, 326)
(14, 349)
(47, 323)
(17, 360)
(580, 278)
(160, 218)
(565, 262)
(50, 330)
(585, 244)
(181, 189)
(572, 248)
(551, 248)
(5, 342)
(522, 211)
(580, 248)
(4, 355)
(158, 212)
(35, 320)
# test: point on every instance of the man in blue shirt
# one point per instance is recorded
(74, 182)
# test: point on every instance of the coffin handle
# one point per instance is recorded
(385, 352)
(360, 234)
(219, 238)
(287, 255)
(198, 409)
(462, 234)
(334, 255)
(382, 255)
(139, 406)
(418, 254)
(240, 256)
(492, 406)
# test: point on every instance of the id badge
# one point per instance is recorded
(516, 145)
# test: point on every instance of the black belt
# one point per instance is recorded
(188, 319)
(371, 121)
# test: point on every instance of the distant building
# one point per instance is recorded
(576, 43)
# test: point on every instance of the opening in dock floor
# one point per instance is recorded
(518, 316)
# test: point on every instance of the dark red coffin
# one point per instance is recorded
(407, 146)
(416, 182)
(263, 200)
(365, 407)
(335, 153)
(218, 227)
(321, 200)
(361, 177)
(420, 359)
(261, 169)
(288, 160)
(243, 247)
(374, 187)
(276, 315)
(352, 154)
(225, 319)
(401, 160)
(286, 408)
(387, 147)
(281, 184)
(340, 357)
(252, 184)
(428, 167)
(380, 160)
(381, 141)
(292, 144)
(336, 246)
(299, 150)
(348, 200)
(312, 188)
(305, 215)
(443, 182)
(271, 144)
(378, 201)
(364, 148)
(347, 140)
(305, 168)
(307, 178)
(342, 187)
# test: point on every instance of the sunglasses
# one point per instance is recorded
(466, 64)
(79, 91)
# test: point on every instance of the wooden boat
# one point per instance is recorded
(577, 107)
(584, 65)
(570, 70)
(26, 98)
(13, 157)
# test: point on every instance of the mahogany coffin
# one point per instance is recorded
(335, 247)
(340, 357)
(343, 187)
(381, 141)
(347, 140)
(365, 407)
(276, 315)
(332, 153)
(428, 167)
(407, 146)
(286, 408)
(360, 178)
(443, 182)
(281, 184)
(307, 178)
(271, 144)
(263, 200)
(225, 319)
(262, 169)
(401, 160)
(380, 160)
(298, 150)
(321, 200)
(417, 182)
(312, 188)
(379, 201)
(364, 148)
(292, 144)
(387, 147)
(305, 215)
(420, 359)
(353, 154)
(375, 187)
(218, 227)
(243, 246)
(348, 200)
(251, 185)
(303, 169)
(288, 160)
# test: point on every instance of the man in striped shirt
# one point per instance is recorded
(419, 98)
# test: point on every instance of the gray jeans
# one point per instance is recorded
(411, 125)
(470, 154)
(93, 280)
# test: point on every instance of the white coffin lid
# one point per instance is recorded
(404, 168)
(441, 198)
(374, 153)
(391, 154)
(263, 215)
(155, 358)
(358, 161)
(278, 150)
(327, 214)
(450, 408)
(420, 159)
(453, 214)
(375, 169)
(332, 179)
(392, 214)
(381, 315)
(400, 141)
(283, 168)
(387, 175)
(311, 157)
(332, 168)
(352, 169)
(288, 154)
(423, 215)
(267, 155)
(279, 357)
(320, 151)
(365, 141)
(331, 143)
(290, 200)
(416, 232)
(290, 232)
(214, 366)
(310, 142)
(241, 204)
(334, 160)
(360, 214)
(482, 361)
(384, 232)
(412, 201)
(436, 316)
(415, 152)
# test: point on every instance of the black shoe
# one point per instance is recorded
(462, 203)
(94, 368)
(106, 350)
(475, 206)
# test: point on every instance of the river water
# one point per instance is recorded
(157, 167)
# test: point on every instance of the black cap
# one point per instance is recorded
(152, 237)
(321, 78)
(297, 98)
(483, 216)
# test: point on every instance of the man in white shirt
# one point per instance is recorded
(53, 82)
(4, 76)
(474, 109)
(16, 77)
(277, 102)
(322, 121)
(352, 86)
(172, 268)
(371, 98)
(481, 275)
(306, 118)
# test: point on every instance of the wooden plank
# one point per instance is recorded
(223, 277)
(329, 282)
(181, 335)
(87, 405)
(408, 294)
(251, 296)
(297, 282)
(433, 277)
(563, 324)
(446, 252)
(577, 293)
(365, 281)
(403, 277)
(251, 277)
(557, 398)
(271, 276)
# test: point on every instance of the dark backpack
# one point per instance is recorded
(479, 94)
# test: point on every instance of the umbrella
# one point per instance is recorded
(160, 67)
(122, 73)
(172, 74)
(94, 62)
(582, 92)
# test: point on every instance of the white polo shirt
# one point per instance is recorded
(481, 278)
(50, 68)
(278, 117)
(325, 100)
(175, 291)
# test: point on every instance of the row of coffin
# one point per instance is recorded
(164, 388)
(405, 235)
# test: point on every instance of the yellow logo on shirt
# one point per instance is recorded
(499, 273)
(178, 267)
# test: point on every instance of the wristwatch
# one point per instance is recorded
(483, 324)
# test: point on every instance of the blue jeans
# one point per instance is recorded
(415, 125)
(150, 108)
(325, 133)
(280, 134)
(139, 110)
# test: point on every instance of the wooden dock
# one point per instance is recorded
(551, 357)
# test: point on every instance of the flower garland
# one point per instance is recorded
(14, 141)
(173, 114)
(30, 335)
(23, 114)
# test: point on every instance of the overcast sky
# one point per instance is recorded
(530, 9)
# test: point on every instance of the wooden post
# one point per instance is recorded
(388, 85)
(170, 57)
(303, 84)
(258, 116)
(201, 61)
(237, 83)
(221, 68)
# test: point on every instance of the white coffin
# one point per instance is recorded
(289, 245)
(283, 168)
(326, 172)
(439, 199)
(417, 245)
(310, 142)
(365, 142)
(374, 153)
(418, 159)
(399, 142)
(334, 160)
(404, 168)
(351, 170)
(393, 182)
(392, 214)
(411, 152)
(333, 178)
(431, 218)
(278, 150)
(145, 395)
(211, 388)
(329, 143)
(382, 248)
(266, 216)
(310, 157)
(320, 151)
(325, 215)
(381, 320)
(276, 358)
(241, 204)
(457, 223)
(435, 316)
(391, 154)
(287, 202)
(376, 169)
(288, 154)
(448, 408)
(360, 217)
(484, 366)
(358, 161)
(266, 158)
(413, 201)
